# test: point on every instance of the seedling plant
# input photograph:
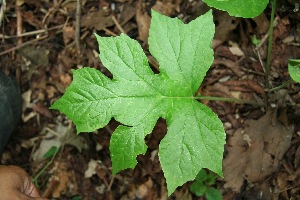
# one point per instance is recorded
(136, 96)
(203, 185)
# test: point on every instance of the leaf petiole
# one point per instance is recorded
(240, 101)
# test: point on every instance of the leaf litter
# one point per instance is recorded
(48, 82)
(259, 146)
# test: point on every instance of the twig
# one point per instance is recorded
(153, 62)
(118, 24)
(260, 60)
(110, 183)
(262, 41)
(19, 23)
(31, 32)
(77, 36)
(51, 12)
(2, 10)
(109, 32)
(22, 45)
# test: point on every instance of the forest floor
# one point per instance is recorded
(262, 153)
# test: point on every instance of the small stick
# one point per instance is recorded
(19, 24)
(31, 32)
(2, 10)
(77, 36)
(110, 183)
(118, 24)
(260, 60)
(109, 32)
(266, 36)
(22, 45)
(262, 41)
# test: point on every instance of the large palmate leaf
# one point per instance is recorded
(136, 97)
(240, 8)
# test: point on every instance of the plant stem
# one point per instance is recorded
(281, 86)
(240, 101)
(268, 66)
(35, 179)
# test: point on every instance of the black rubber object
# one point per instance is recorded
(10, 108)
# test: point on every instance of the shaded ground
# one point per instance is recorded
(262, 155)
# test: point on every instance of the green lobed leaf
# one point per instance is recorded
(238, 8)
(294, 69)
(136, 97)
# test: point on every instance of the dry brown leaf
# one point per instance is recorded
(144, 190)
(254, 152)
(32, 19)
(91, 170)
(233, 66)
(224, 24)
(183, 194)
(235, 49)
(42, 109)
(51, 91)
(68, 34)
(246, 85)
(38, 56)
(177, 5)
(99, 20)
(165, 8)
(262, 23)
(61, 182)
(127, 13)
(143, 21)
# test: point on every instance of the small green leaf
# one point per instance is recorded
(254, 40)
(201, 176)
(50, 152)
(198, 188)
(76, 198)
(294, 69)
(202, 182)
(240, 8)
(136, 97)
(211, 178)
(213, 194)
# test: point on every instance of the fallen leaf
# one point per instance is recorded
(91, 170)
(55, 138)
(128, 12)
(254, 152)
(235, 49)
(262, 23)
(165, 8)
(38, 56)
(63, 176)
(43, 110)
(98, 19)
(233, 66)
(143, 21)
(224, 25)
(68, 34)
